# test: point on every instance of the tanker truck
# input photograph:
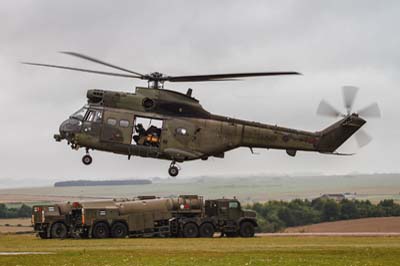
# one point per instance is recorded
(184, 216)
(54, 220)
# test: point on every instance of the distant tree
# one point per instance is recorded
(24, 211)
(3, 210)
(348, 210)
(330, 211)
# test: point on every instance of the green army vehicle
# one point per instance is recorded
(51, 221)
(185, 216)
(54, 220)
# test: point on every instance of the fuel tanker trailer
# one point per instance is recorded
(184, 216)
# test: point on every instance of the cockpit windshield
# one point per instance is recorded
(80, 114)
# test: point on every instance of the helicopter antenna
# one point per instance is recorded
(156, 80)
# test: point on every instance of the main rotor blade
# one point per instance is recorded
(82, 56)
(84, 70)
(326, 109)
(362, 138)
(222, 77)
(371, 110)
(349, 95)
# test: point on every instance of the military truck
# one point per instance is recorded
(51, 221)
(184, 216)
(54, 220)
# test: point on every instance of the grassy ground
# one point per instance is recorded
(224, 251)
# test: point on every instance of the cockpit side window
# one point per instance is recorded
(80, 114)
(91, 115)
(94, 116)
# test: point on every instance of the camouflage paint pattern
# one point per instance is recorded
(204, 134)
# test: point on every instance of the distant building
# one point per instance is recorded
(338, 196)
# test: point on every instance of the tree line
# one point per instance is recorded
(23, 211)
(274, 216)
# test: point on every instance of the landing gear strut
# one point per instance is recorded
(173, 169)
(87, 159)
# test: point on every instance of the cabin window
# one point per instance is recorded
(182, 131)
(233, 204)
(98, 116)
(112, 121)
(124, 123)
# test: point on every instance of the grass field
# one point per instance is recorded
(218, 251)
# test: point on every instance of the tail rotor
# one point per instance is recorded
(349, 94)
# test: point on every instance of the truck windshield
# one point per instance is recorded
(80, 114)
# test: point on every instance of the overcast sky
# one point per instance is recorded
(333, 43)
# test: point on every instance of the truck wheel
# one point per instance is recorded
(119, 230)
(59, 230)
(190, 230)
(246, 229)
(101, 230)
(206, 230)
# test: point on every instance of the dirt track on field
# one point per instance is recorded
(17, 225)
(379, 225)
(17, 198)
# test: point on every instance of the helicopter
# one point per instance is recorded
(165, 124)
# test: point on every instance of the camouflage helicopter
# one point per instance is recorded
(164, 124)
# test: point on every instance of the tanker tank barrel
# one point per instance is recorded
(161, 205)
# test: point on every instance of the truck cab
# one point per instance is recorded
(231, 218)
(50, 221)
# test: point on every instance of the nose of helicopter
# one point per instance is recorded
(68, 128)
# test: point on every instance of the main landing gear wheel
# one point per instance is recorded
(87, 159)
(173, 170)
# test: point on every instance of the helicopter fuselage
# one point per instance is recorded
(113, 122)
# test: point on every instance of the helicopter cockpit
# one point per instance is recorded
(80, 114)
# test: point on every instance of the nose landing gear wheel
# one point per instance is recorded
(173, 170)
(87, 159)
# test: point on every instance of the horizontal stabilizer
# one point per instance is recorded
(338, 153)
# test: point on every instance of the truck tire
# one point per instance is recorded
(119, 230)
(100, 230)
(246, 229)
(190, 230)
(59, 230)
(206, 230)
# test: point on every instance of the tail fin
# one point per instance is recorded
(335, 135)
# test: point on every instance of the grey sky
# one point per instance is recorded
(332, 43)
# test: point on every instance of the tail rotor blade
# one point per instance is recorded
(326, 109)
(349, 95)
(371, 110)
(362, 138)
